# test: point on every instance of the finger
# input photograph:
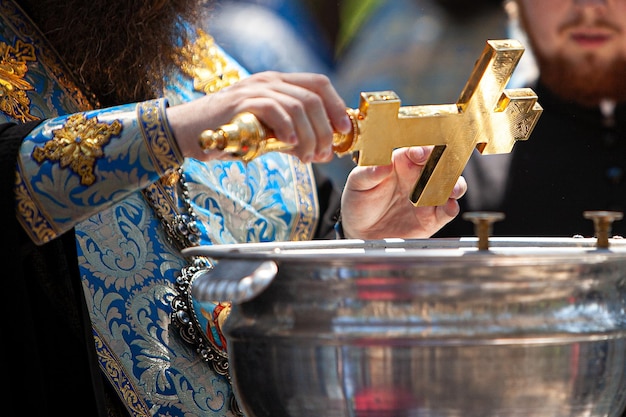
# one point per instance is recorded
(312, 124)
(364, 178)
(448, 211)
(335, 106)
(279, 113)
(418, 154)
(460, 188)
(273, 115)
(311, 102)
(308, 110)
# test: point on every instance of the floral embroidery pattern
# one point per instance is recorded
(13, 86)
(78, 144)
(206, 65)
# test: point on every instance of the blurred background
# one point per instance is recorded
(424, 50)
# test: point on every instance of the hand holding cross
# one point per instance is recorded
(487, 117)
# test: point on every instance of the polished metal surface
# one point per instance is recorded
(392, 328)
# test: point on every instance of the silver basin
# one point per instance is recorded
(529, 327)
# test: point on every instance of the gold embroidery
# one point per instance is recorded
(13, 86)
(161, 145)
(77, 145)
(206, 65)
(119, 378)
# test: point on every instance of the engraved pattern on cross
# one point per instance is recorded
(487, 117)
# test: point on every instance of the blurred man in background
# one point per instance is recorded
(575, 159)
(424, 50)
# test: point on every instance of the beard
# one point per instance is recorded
(586, 83)
(584, 80)
(118, 50)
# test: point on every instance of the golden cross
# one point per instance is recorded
(487, 117)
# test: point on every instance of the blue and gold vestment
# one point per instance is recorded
(113, 175)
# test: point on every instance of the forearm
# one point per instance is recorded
(73, 166)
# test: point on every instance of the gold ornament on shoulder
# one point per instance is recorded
(205, 63)
(13, 86)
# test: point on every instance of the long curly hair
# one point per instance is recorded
(119, 50)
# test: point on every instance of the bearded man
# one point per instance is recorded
(574, 160)
(102, 106)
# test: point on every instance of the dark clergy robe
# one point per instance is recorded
(574, 161)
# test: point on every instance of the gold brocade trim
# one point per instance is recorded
(78, 144)
(13, 86)
(304, 227)
(161, 200)
(211, 71)
(160, 141)
(115, 373)
(39, 228)
(206, 65)
(46, 58)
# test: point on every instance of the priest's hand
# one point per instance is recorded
(302, 109)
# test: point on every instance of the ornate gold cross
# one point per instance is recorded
(487, 117)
